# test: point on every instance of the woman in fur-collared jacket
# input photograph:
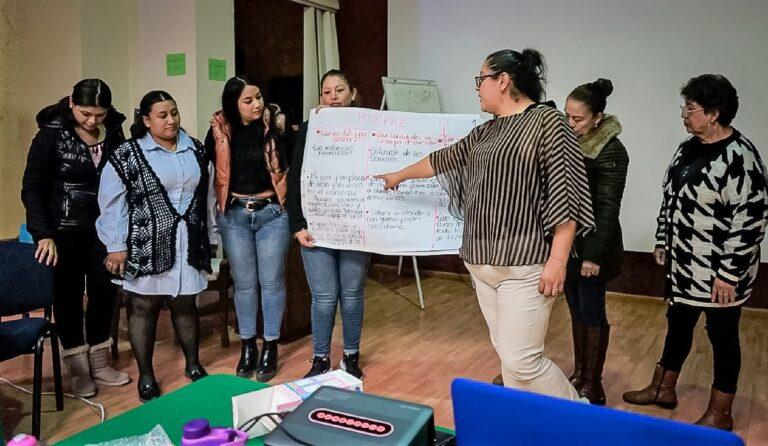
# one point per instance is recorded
(598, 254)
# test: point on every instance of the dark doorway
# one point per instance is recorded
(269, 41)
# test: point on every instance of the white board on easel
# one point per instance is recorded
(411, 95)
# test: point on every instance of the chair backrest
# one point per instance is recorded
(25, 284)
(488, 414)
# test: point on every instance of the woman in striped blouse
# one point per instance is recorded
(519, 183)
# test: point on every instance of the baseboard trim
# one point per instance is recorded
(639, 274)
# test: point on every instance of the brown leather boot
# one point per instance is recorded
(661, 391)
(577, 328)
(595, 346)
(718, 413)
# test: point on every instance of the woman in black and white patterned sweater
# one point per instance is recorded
(711, 223)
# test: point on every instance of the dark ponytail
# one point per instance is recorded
(138, 129)
(593, 94)
(527, 70)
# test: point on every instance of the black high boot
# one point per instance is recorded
(595, 347)
(249, 358)
(267, 368)
(577, 329)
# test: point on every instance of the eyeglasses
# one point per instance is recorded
(479, 79)
(688, 111)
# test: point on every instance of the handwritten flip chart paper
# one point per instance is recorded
(346, 208)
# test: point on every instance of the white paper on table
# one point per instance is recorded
(346, 208)
(285, 398)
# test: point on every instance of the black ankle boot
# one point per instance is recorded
(267, 368)
(351, 364)
(249, 357)
(320, 365)
(148, 388)
(194, 372)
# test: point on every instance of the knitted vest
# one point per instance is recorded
(152, 219)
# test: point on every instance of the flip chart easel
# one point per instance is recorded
(412, 95)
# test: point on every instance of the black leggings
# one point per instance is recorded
(586, 298)
(142, 325)
(80, 269)
(723, 332)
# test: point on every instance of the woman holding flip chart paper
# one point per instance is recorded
(250, 160)
(333, 274)
(520, 185)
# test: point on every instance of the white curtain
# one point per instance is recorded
(321, 52)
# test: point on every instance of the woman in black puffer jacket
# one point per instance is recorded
(59, 191)
(598, 253)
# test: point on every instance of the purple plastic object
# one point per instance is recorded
(198, 432)
(23, 440)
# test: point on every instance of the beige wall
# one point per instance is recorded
(213, 19)
(47, 46)
(165, 27)
(108, 30)
(40, 63)
(11, 161)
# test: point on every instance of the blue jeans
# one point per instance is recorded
(335, 275)
(256, 244)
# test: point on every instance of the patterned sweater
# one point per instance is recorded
(712, 218)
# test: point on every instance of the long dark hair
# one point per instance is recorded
(138, 129)
(526, 68)
(231, 94)
(92, 93)
(233, 88)
(593, 94)
(85, 93)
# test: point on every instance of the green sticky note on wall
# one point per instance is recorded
(217, 69)
(176, 64)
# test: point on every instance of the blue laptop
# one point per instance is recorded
(485, 414)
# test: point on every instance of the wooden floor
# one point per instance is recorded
(414, 355)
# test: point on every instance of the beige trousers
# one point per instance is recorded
(518, 319)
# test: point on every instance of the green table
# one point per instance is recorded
(210, 398)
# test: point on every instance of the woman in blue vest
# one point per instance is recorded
(153, 199)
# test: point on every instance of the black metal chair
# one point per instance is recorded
(26, 286)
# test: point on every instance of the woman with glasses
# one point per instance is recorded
(598, 254)
(519, 183)
(711, 223)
